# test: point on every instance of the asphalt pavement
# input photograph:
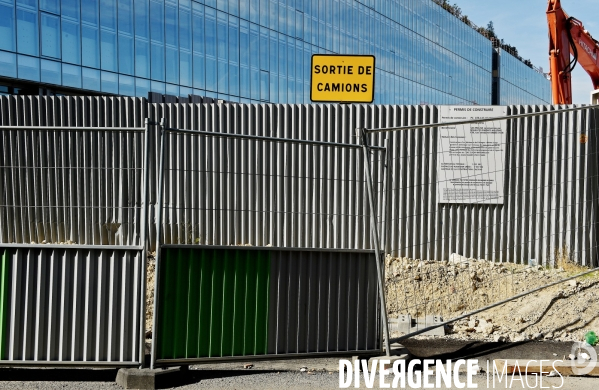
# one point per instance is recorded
(285, 374)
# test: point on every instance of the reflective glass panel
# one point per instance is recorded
(126, 85)
(109, 82)
(91, 79)
(50, 6)
(27, 32)
(8, 64)
(50, 35)
(28, 68)
(51, 72)
(71, 76)
(7, 27)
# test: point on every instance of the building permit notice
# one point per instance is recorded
(471, 157)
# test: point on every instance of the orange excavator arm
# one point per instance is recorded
(567, 37)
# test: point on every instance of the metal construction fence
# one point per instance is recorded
(233, 176)
(73, 213)
(527, 202)
(547, 174)
(241, 301)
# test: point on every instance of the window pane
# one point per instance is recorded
(126, 16)
(70, 9)
(142, 58)
(158, 87)
(109, 82)
(50, 6)
(185, 37)
(108, 14)
(7, 27)
(8, 64)
(126, 46)
(108, 50)
(233, 56)
(28, 68)
(184, 91)
(222, 52)
(142, 87)
(70, 42)
(199, 67)
(126, 85)
(211, 67)
(264, 86)
(172, 22)
(172, 65)
(185, 66)
(27, 32)
(172, 90)
(157, 58)
(50, 35)
(51, 72)
(157, 39)
(90, 12)
(142, 37)
(172, 45)
(91, 79)
(90, 46)
(71, 76)
(126, 54)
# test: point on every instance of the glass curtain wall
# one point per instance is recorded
(520, 84)
(243, 50)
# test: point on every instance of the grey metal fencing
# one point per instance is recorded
(550, 174)
(235, 188)
(551, 192)
(73, 217)
(463, 257)
(539, 151)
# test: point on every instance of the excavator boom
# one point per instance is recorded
(569, 43)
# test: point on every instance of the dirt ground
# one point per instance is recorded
(564, 312)
(150, 290)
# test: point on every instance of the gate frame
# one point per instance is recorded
(142, 248)
(375, 239)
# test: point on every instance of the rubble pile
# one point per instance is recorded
(460, 285)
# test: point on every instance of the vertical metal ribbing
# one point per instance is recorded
(158, 214)
(375, 238)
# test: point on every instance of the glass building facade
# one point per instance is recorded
(248, 50)
(517, 83)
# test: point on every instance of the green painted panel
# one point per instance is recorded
(4, 311)
(213, 302)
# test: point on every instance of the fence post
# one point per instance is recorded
(375, 236)
(387, 189)
(162, 138)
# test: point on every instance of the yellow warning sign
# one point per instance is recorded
(339, 78)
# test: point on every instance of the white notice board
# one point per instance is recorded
(471, 158)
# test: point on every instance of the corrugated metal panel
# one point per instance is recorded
(323, 302)
(265, 193)
(72, 305)
(214, 303)
(4, 291)
(289, 195)
(75, 186)
(232, 302)
(551, 193)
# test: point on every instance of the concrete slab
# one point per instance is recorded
(405, 323)
(145, 379)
